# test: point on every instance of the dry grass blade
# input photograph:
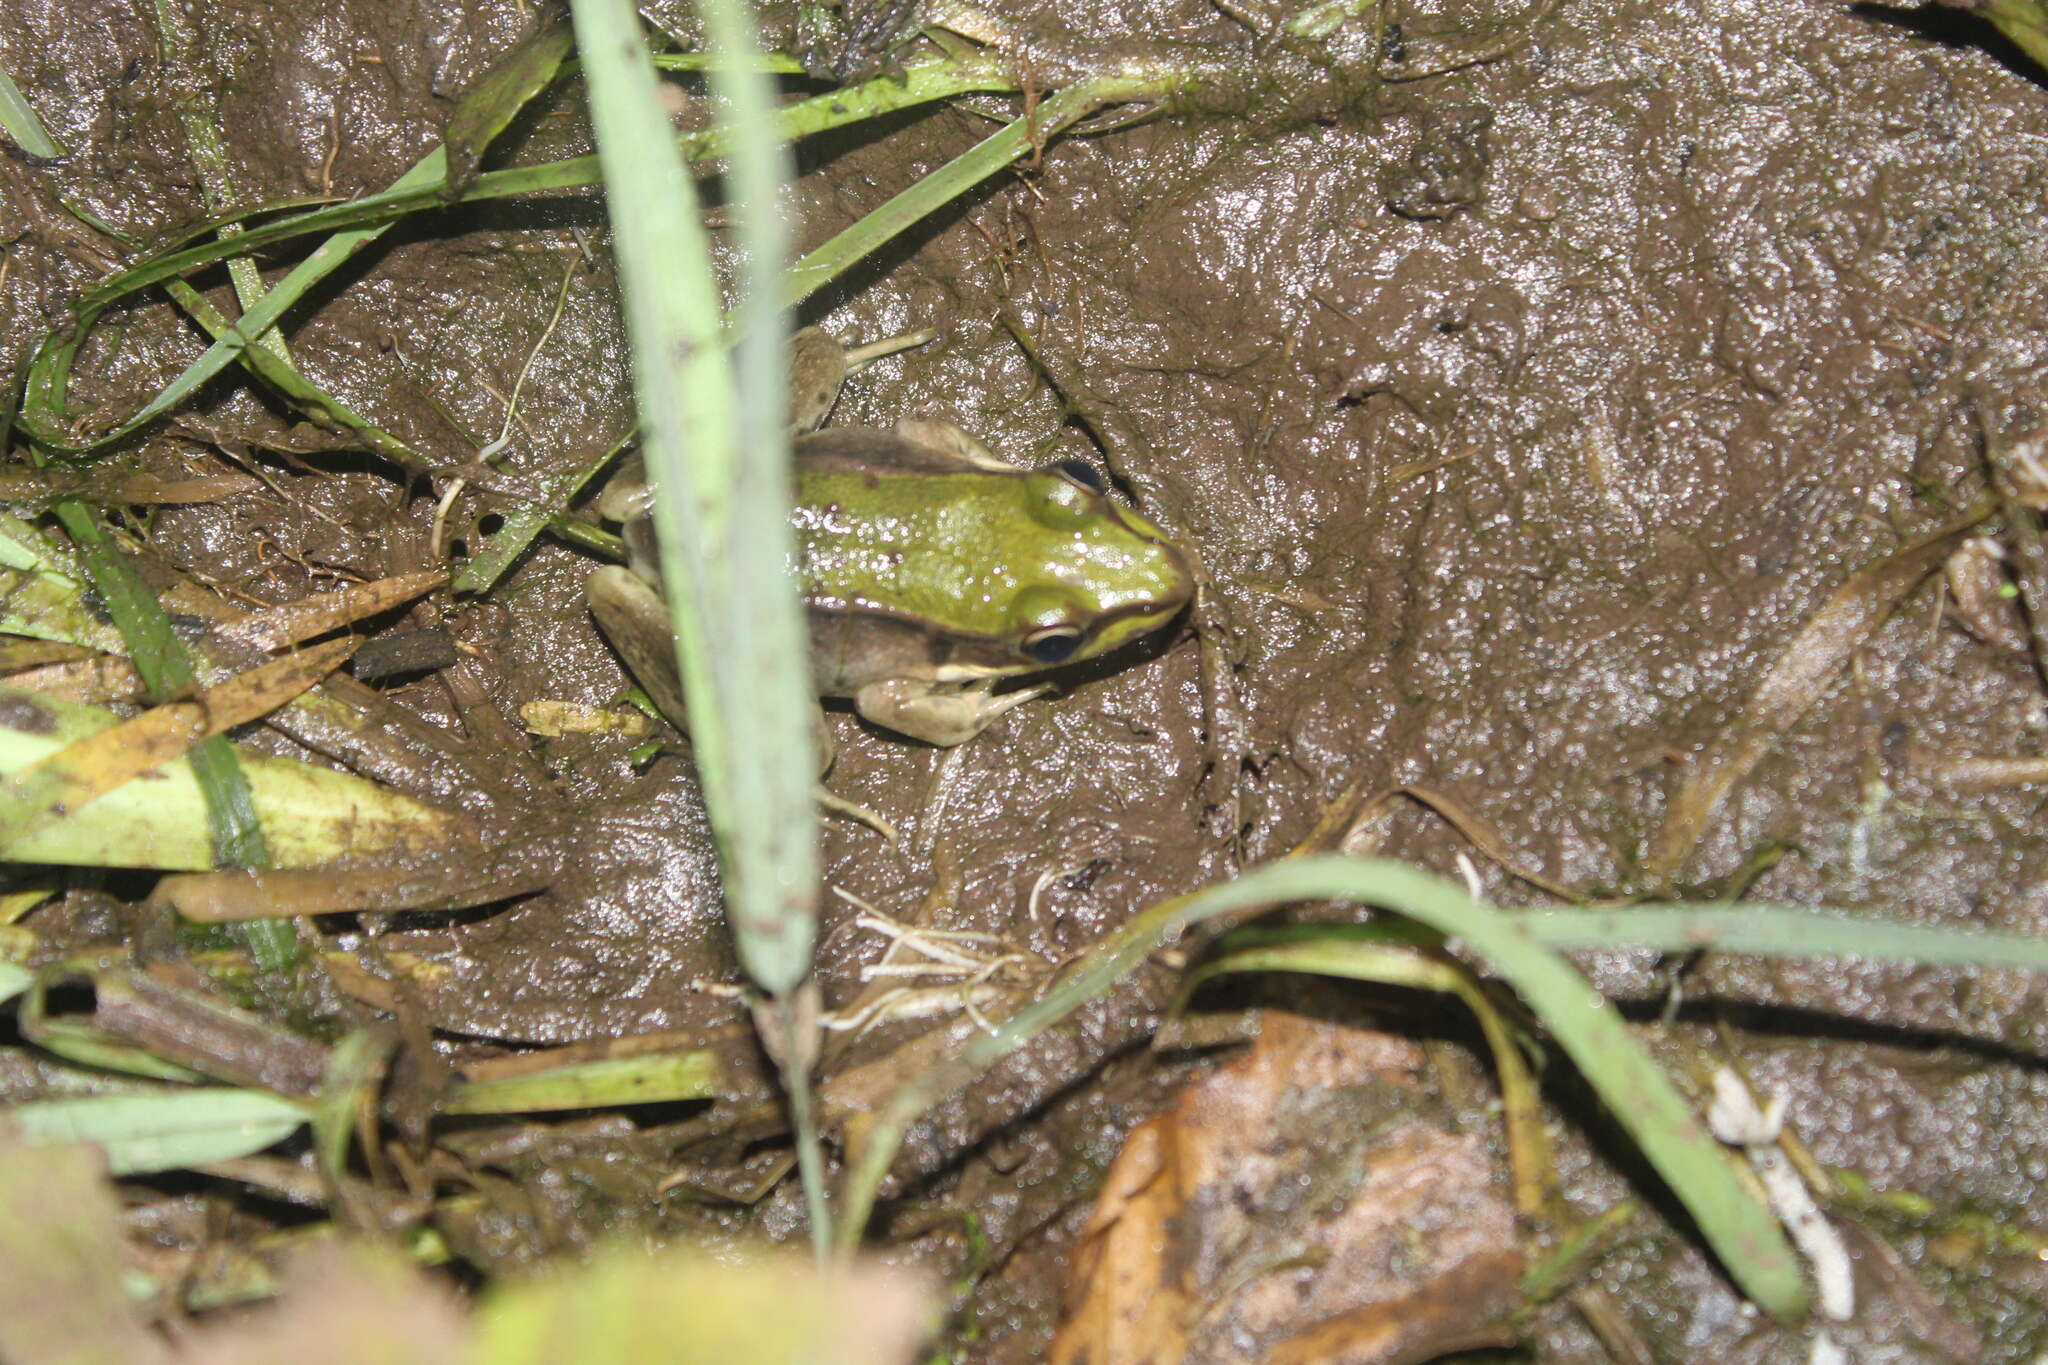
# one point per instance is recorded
(1979, 773)
(1849, 617)
(285, 893)
(89, 768)
(18, 653)
(1362, 836)
(34, 486)
(276, 627)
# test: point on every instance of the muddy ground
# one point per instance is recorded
(1520, 415)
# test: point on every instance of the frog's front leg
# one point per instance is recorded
(939, 715)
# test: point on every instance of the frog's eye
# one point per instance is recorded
(1081, 472)
(1051, 624)
(1052, 645)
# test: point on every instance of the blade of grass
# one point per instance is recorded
(197, 104)
(661, 1078)
(56, 787)
(1761, 930)
(2023, 21)
(14, 980)
(315, 814)
(271, 366)
(167, 673)
(48, 377)
(493, 102)
(1741, 1230)
(162, 1132)
(1794, 682)
(999, 149)
(361, 221)
(42, 591)
(725, 533)
(525, 522)
(758, 552)
(1777, 931)
(347, 1092)
(18, 120)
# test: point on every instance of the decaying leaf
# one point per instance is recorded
(1296, 1207)
(311, 815)
(63, 782)
(291, 622)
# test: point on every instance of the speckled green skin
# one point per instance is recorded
(930, 569)
(886, 528)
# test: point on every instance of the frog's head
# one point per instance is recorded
(1108, 575)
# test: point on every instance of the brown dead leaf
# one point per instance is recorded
(1296, 1206)
(16, 652)
(451, 875)
(94, 681)
(40, 487)
(291, 622)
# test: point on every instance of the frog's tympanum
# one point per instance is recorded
(931, 569)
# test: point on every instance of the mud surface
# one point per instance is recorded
(1521, 414)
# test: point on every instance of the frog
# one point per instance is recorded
(932, 570)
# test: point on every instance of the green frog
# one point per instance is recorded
(931, 569)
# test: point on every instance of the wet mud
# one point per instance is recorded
(1520, 414)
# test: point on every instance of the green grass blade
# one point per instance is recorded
(313, 814)
(47, 377)
(18, 120)
(166, 672)
(162, 1132)
(762, 494)
(726, 539)
(525, 522)
(348, 1090)
(272, 365)
(999, 149)
(2023, 21)
(42, 591)
(1742, 1232)
(14, 980)
(489, 108)
(654, 1079)
(1777, 931)
(360, 221)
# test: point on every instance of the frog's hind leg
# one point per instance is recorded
(635, 619)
